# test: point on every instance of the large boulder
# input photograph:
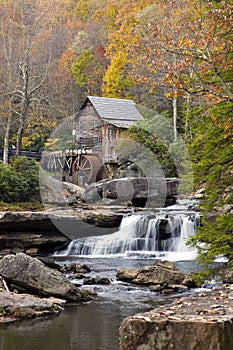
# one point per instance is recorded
(200, 321)
(140, 191)
(33, 276)
(162, 273)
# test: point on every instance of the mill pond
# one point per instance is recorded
(141, 240)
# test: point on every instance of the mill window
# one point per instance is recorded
(81, 126)
(96, 124)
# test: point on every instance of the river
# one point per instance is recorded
(94, 325)
(91, 326)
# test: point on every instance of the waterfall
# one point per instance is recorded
(147, 234)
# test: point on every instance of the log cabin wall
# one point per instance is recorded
(110, 136)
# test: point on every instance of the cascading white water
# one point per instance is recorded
(145, 234)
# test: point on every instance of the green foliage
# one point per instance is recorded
(212, 153)
(154, 149)
(80, 67)
(19, 182)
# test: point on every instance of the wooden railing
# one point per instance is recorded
(28, 153)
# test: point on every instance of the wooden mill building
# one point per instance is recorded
(98, 126)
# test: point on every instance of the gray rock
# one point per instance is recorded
(97, 280)
(32, 275)
(147, 332)
(138, 190)
(14, 306)
(51, 230)
(200, 321)
(161, 273)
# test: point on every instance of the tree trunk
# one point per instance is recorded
(6, 141)
(174, 105)
(19, 139)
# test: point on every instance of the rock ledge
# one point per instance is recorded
(202, 321)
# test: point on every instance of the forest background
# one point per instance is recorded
(173, 58)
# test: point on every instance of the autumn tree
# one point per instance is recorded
(33, 40)
(88, 47)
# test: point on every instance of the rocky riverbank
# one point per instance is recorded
(39, 288)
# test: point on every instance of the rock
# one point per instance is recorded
(97, 280)
(73, 192)
(127, 275)
(137, 190)
(89, 281)
(161, 273)
(32, 251)
(168, 288)
(177, 333)
(78, 276)
(227, 276)
(71, 267)
(32, 275)
(199, 193)
(202, 322)
(74, 268)
(54, 191)
(14, 306)
(156, 288)
(49, 262)
(83, 269)
(102, 280)
(52, 230)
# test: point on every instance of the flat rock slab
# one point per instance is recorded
(59, 225)
(199, 322)
(16, 306)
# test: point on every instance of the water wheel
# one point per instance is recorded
(88, 167)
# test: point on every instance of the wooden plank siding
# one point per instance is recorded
(93, 132)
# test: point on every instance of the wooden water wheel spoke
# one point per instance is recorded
(87, 166)
(85, 162)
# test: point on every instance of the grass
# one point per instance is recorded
(23, 206)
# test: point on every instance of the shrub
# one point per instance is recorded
(19, 182)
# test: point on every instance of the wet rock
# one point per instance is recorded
(16, 306)
(78, 276)
(74, 268)
(102, 280)
(83, 269)
(89, 281)
(32, 275)
(162, 273)
(97, 280)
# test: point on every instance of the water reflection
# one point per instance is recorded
(91, 326)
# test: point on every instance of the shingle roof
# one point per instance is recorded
(116, 111)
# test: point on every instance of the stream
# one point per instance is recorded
(94, 325)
